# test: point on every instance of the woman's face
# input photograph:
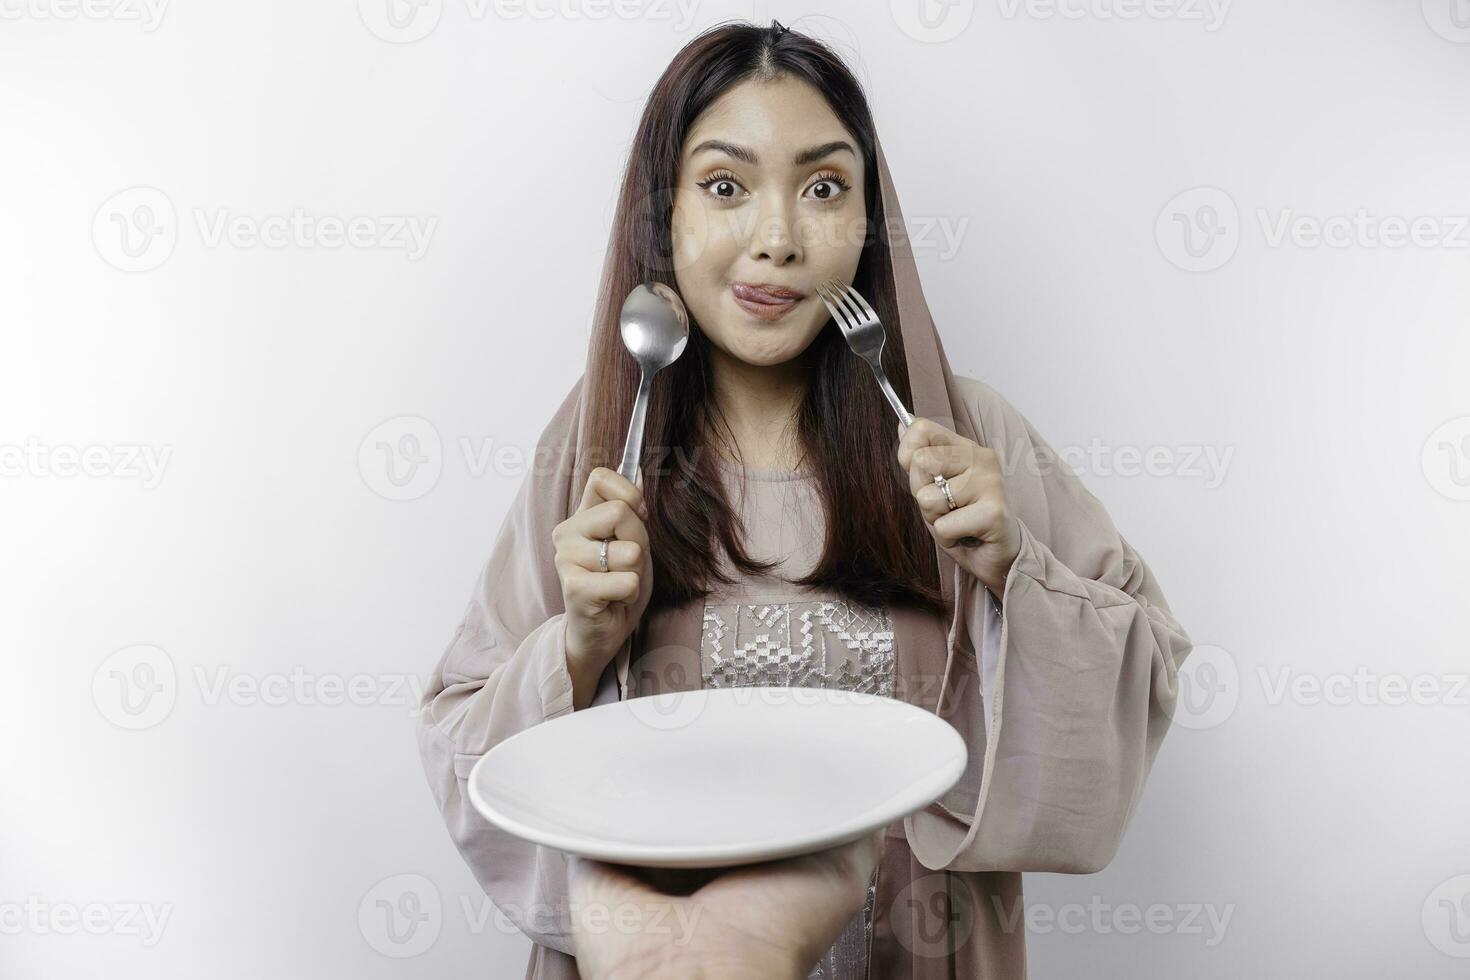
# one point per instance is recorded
(770, 194)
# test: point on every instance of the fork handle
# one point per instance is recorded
(908, 420)
(891, 395)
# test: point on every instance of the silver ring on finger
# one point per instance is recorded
(943, 484)
(602, 558)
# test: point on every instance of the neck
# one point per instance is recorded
(759, 404)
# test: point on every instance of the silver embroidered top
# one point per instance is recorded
(765, 631)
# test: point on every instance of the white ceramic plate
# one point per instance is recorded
(717, 777)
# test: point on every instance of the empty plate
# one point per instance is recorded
(717, 777)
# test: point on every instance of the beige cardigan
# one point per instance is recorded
(1063, 700)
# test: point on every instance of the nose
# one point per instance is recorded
(773, 238)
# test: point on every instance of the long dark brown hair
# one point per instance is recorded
(877, 549)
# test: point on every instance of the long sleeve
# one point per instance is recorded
(483, 693)
(503, 672)
(1077, 677)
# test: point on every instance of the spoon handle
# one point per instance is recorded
(633, 446)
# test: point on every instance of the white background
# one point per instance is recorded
(1326, 547)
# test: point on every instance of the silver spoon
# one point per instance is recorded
(655, 329)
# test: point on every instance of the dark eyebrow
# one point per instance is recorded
(810, 155)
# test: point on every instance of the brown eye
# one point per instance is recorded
(829, 187)
(722, 185)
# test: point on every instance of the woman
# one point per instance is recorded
(787, 529)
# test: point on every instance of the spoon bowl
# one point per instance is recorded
(655, 329)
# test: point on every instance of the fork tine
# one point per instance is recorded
(829, 294)
(864, 336)
(834, 286)
(841, 296)
(829, 300)
(856, 297)
(826, 302)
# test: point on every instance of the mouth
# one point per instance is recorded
(765, 301)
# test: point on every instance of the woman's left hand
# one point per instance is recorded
(975, 481)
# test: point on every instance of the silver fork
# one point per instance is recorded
(864, 334)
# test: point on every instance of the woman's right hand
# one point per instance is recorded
(602, 608)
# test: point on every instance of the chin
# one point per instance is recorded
(767, 355)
